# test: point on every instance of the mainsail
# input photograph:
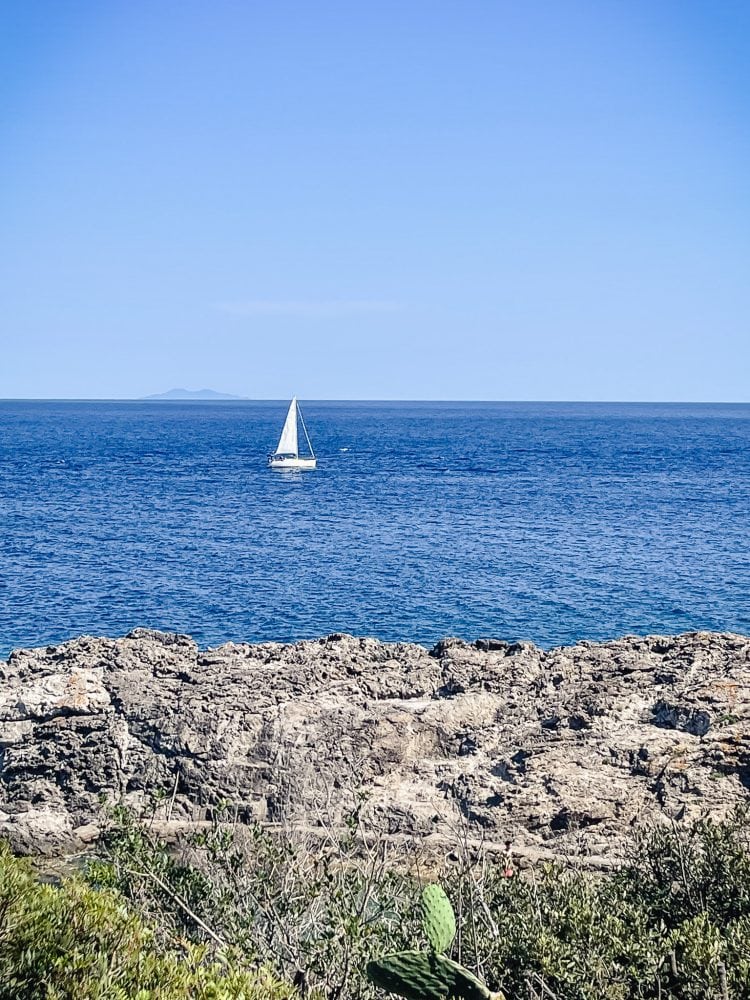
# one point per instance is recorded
(288, 441)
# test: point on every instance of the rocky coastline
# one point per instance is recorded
(557, 753)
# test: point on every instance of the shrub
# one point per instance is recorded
(74, 942)
(313, 910)
(679, 873)
(672, 924)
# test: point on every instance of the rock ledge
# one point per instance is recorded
(557, 751)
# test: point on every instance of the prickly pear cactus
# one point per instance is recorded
(438, 919)
(411, 974)
(419, 975)
(429, 975)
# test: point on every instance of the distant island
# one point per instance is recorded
(181, 394)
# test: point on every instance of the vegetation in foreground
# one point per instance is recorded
(77, 942)
(238, 912)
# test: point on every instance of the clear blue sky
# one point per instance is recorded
(474, 199)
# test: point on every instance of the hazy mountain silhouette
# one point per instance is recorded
(193, 394)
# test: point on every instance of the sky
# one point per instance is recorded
(416, 199)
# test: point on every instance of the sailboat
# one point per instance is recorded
(287, 454)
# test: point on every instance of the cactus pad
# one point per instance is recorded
(438, 919)
(463, 983)
(418, 975)
(411, 974)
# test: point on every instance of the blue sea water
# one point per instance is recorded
(542, 521)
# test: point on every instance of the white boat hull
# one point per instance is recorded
(289, 462)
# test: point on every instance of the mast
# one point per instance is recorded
(304, 428)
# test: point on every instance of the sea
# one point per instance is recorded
(549, 522)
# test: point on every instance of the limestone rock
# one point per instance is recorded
(556, 751)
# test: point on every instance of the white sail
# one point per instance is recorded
(288, 441)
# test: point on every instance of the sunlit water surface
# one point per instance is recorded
(549, 522)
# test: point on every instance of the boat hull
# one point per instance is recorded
(292, 463)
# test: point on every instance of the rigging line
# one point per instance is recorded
(304, 428)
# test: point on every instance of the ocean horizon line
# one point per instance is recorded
(370, 400)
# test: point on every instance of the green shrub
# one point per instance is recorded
(73, 942)
(672, 924)
(313, 912)
(679, 873)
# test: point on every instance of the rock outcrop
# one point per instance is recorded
(556, 751)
